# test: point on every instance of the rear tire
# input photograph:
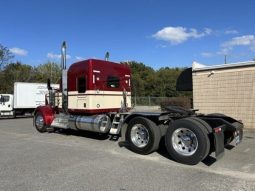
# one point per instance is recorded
(142, 135)
(217, 114)
(40, 123)
(187, 141)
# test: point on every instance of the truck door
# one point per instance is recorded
(81, 88)
(6, 103)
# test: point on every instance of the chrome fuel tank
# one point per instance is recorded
(95, 123)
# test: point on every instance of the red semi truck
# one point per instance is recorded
(95, 95)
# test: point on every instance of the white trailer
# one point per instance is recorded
(26, 97)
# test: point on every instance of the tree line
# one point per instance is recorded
(18, 72)
(145, 81)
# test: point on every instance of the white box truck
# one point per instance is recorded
(26, 97)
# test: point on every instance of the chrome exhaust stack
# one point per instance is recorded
(63, 56)
(64, 78)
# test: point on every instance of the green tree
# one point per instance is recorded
(5, 56)
(15, 72)
(18, 72)
(167, 81)
(145, 81)
(141, 75)
(50, 70)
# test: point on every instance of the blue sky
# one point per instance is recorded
(159, 33)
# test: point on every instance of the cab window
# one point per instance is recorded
(4, 99)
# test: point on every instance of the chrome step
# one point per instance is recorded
(116, 124)
(60, 121)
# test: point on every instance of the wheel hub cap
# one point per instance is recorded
(184, 141)
(39, 122)
(139, 135)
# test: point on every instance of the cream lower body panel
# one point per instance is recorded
(93, 100)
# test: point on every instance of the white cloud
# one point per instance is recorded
(57, 56)
(253, 48)
(178, 35)
(208, 31)
(18, 51)
(231, 32)
(53, 56)
(240, 41)
(207, 54)
(79, 58)
(161, 46)
(246, 40)
(223, 51)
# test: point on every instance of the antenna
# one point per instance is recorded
(225, 59)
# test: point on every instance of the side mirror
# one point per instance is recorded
(48, 84)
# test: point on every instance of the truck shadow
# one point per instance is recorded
(85, 134)
(208, 161)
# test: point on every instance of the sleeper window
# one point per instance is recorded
(113, 82)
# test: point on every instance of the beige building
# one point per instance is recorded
(227, 89)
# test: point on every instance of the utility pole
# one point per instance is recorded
(225, 59)
(51, 71)
(107, 55)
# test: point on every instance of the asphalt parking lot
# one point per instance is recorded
(85, 161)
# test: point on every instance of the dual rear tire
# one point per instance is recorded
(186, 140)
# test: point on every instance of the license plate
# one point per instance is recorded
(237, 139)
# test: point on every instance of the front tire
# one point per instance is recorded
(40, 123)
(187, 141)
(142, 135)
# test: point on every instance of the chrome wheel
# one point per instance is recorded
(39, 121)
(139, 135)
(142, 135)
(184, 141)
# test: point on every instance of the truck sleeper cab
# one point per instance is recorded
(96, 86)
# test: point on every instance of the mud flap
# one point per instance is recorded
(219, 141)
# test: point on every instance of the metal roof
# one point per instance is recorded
(200, 67)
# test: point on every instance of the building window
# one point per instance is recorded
(113, 82)
(81, 84)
